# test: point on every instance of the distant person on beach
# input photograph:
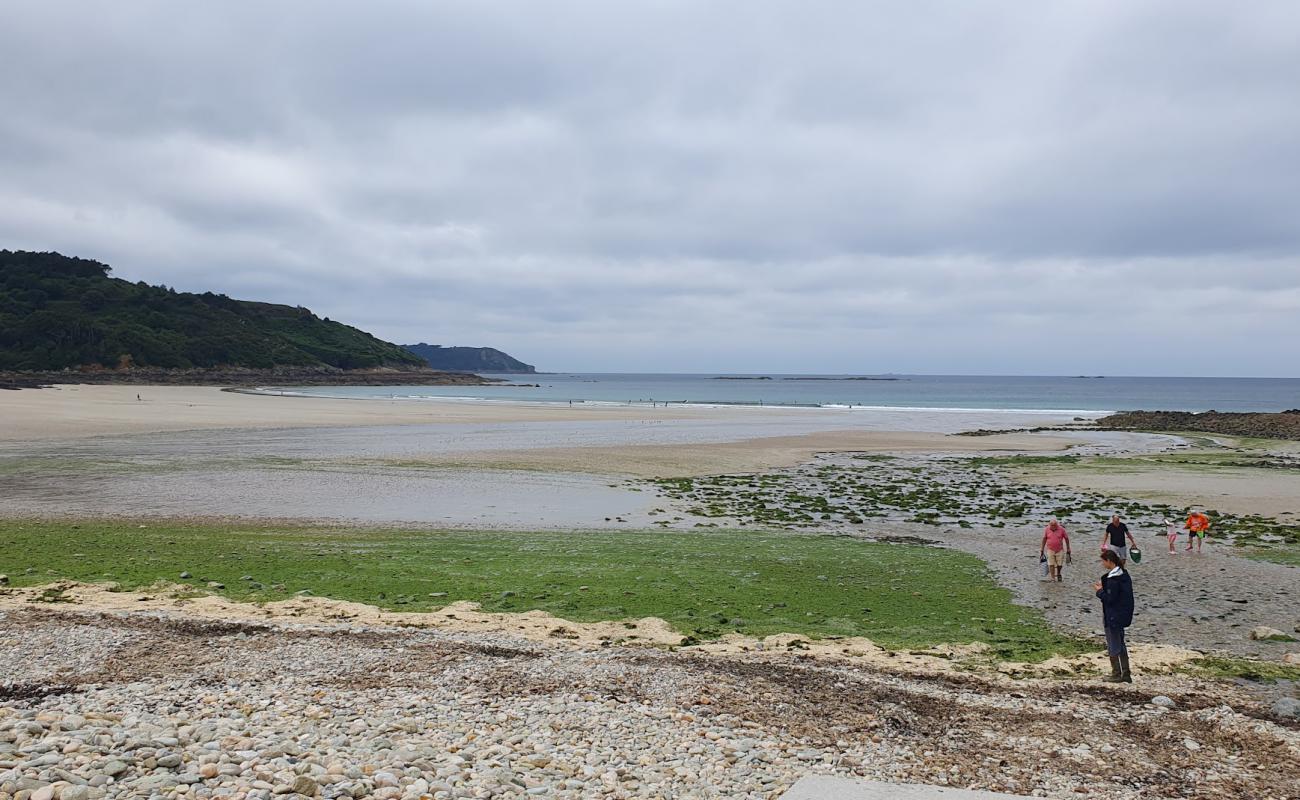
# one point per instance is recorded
(1197, 526)
(1115, 591)
(1056, 548)
(1171, 532)
(1118, 539)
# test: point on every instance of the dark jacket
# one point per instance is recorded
(1116, 598)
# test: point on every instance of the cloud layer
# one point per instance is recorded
(1107, 187)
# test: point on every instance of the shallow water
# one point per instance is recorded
(447, 497)
(320, 473)
(917, 393)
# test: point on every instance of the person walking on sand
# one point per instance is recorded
(1056, 548)
(1115, 591)
(1171, 532)
(1117, 534)
(1197, 526)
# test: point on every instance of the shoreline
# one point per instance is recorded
(77, 411)
(1088, 415)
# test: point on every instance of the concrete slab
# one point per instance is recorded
(823, 787)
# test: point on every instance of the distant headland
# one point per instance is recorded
(65, 320)
(469, 359)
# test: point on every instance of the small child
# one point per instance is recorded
(1171, 530)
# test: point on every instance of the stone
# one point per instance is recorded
(1162, 701)
(825, 787)
(1291, 658)
(305, 786)
(1191, 744)
(216, 585)
(4, 580)
(170, 760)
(1288, 707)
(185, 575)
(114, 768)
(75, 793)
(1263, 633)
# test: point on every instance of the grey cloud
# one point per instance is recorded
(944, 185)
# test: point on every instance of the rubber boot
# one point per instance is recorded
(1115, 675)
(1125, 675)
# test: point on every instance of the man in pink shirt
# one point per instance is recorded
(1056, 547)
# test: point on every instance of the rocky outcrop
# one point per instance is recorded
(1282, 425)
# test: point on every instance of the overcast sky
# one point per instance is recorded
(1015, 188)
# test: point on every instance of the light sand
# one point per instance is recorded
(178, 601)
(749, 455)
(1234, 490)
(69, 412)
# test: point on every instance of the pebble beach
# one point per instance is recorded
(138, 705)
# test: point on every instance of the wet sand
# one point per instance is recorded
(1272, 493)
(1207, 602)
(200, 452)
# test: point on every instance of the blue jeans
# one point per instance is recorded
(1115, 641)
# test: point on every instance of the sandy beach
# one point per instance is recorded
(71, 411)
(516, 702)
(741, 438)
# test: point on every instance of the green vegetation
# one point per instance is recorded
(704, 584)
(1021, 460)
(469, 359)
(58, 312)
(1245, 668)
(956, 491)
(1277, 555)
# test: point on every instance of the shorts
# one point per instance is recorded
(1119, 550)
(1056, 559)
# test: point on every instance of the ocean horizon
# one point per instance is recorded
(1089, 395)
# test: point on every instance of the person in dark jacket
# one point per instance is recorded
(1115, 591)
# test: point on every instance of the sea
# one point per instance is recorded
(1084, 394)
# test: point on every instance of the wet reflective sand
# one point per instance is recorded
(400, 473)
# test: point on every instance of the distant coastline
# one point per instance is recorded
(801, 378)
(243, 377)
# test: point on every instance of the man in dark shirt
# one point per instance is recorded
(1117, 538)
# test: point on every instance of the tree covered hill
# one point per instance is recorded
(59, 312)
(469, 359)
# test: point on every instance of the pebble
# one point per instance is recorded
(350, 712)
(1162, 701)
(1264, 633)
